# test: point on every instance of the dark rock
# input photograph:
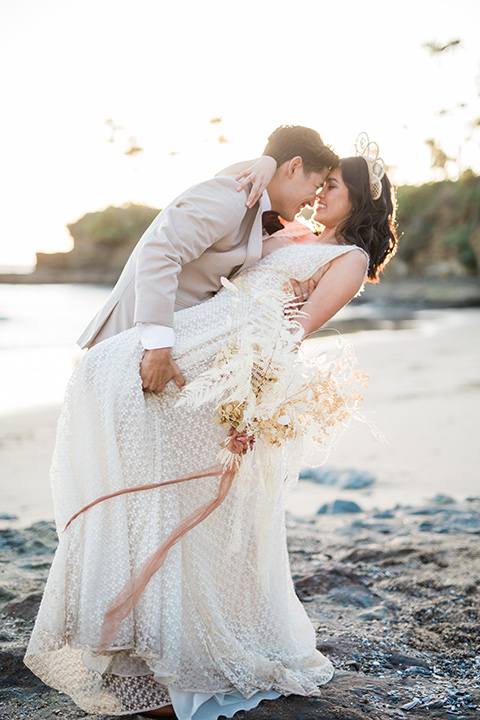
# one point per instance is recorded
(326, 578)
(352, 595)
(343, 698)
(430, 557)
(336, 646)
(379, 612)
(456, 522)
(439, 504)
(463, 522)
(345, 479)
(426, 510)
(387, 556)
(26, 609)
(404, 661)
(410, 705)
(352, 665)
(39, 538)
(11, 540)
(14, 673)
(5, 595)
(6, 516)
(318, 475)
(369, 554)
(323, 579)
(426, 526)
(441, 499)
(36, 566)
(339, 507)
(356, 480)
(414, 671)
(376, 527)
(385, 515)
(302, 708)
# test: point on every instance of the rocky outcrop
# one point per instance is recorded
(103, 241)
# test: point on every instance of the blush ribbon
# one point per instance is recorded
(129, 595)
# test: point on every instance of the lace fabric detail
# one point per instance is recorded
(221, 614)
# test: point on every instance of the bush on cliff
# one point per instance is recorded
(102, 239)
(440, 226)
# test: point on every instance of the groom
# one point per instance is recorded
(207, 232)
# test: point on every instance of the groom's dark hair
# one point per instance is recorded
(288, 141)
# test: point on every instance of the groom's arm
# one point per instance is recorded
(200, 217)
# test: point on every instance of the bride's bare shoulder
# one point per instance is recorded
(352, 264)
(355, 257)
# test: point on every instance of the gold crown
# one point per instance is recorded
(376, 166)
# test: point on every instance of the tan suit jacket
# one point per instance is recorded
(206, 232)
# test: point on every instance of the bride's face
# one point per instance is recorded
(332, 206)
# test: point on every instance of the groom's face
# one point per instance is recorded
(300, 189)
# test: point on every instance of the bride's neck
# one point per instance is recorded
(329, 235)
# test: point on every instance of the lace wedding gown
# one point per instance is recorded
(215, 628)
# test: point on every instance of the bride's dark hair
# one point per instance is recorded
(372, 224)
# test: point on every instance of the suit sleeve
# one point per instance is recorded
(200, 217)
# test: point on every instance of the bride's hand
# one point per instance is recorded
(239, 443)
(260, 174)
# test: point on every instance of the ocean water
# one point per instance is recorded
(39, 325)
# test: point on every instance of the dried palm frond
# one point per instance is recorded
(261, 386)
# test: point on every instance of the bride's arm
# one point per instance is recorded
(259, 172)
(338, 285)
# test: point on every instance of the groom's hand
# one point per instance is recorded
(157, 369)
(301, 297)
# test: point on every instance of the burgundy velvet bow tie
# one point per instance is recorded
(271, 221)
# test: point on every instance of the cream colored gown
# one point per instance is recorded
(215, 628)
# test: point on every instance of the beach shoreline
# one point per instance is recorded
(424, 396)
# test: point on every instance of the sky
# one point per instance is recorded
(162, 71)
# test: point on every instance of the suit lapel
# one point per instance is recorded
(254, 242)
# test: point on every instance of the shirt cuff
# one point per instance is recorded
(154, 337)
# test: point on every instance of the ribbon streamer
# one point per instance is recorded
(124, 602)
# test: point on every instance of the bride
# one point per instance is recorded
(217, 627)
